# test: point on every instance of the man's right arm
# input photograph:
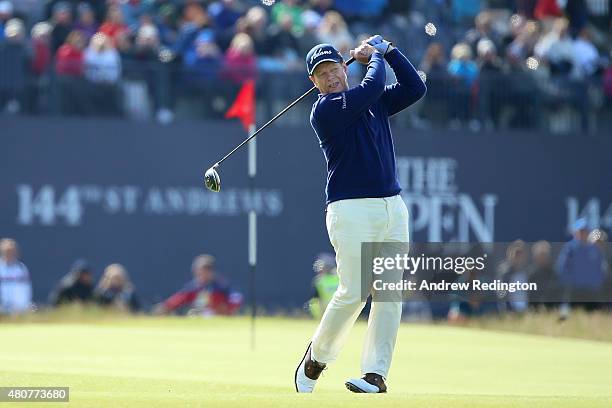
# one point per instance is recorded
(338, 110)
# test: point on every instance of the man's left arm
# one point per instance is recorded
(409, 87)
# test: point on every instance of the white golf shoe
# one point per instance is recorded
(307, 372)
(369, 383)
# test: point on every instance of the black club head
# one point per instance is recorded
(212, 179)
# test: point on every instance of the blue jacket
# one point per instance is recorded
(354, 132)
(580, 265)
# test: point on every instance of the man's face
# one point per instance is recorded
(541, 258)
(518, 258)
(330, 77)
(10, 253)
(63, 17)
(86, 278)
(204, 274)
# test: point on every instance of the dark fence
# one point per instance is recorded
(129, 192)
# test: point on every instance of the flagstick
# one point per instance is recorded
(252, 231)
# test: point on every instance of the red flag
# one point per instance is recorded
(244, 105)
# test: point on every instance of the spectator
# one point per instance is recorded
(205, 59)
(586, 57)
(165, 21)
(69, 57)
(86, 21)
(434, 67)
(482, 30)
(600, 238)
(147, 44)
(464, 72)
(132, 11)
(205, 294)
(525, 37)
(6, 13)
(113, 26)
(62, 24)
(73, 97)
(324, 284)
(542, 273)
(309, 37)
(195, 20)
(292, 9)
(490, 93)
(76, 286)
(556, 48)
(103, 71)
(333, 30)
(254, 25)
(15, 284)
(41, 47)
(14, 67)
(225, 13)
(116, 290)
(143, 63)
(101, 59)
(285, 46)
(240, 61)
(514, 269)
(580, 269)
(434, 61)
(488, 61)
(462, 66)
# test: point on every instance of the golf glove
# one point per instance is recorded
(380, 44)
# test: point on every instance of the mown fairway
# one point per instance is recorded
(187, 362)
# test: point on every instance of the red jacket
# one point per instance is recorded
(113, 30)
(238, 68)
(69, 60)
(42, 57)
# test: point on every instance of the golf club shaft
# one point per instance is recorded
(278, 115)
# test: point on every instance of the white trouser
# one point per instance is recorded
(349, 223)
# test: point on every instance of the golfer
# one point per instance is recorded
(363, 201)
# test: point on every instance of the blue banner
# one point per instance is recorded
(116, 191)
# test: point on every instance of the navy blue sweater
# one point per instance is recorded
(354, 132)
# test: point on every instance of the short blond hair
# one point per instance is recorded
(112, 271)
(460, 51)
(242, 43)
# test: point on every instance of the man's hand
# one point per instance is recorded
(362, 53)
(383, 46)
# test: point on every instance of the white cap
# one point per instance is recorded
(14, 28)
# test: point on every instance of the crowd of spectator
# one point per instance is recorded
(580, 277)
(576, 274)
(117, 56)
(206, 294)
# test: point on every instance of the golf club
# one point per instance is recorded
(211, 177)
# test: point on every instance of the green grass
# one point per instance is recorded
(192, 362)
(581, 325)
